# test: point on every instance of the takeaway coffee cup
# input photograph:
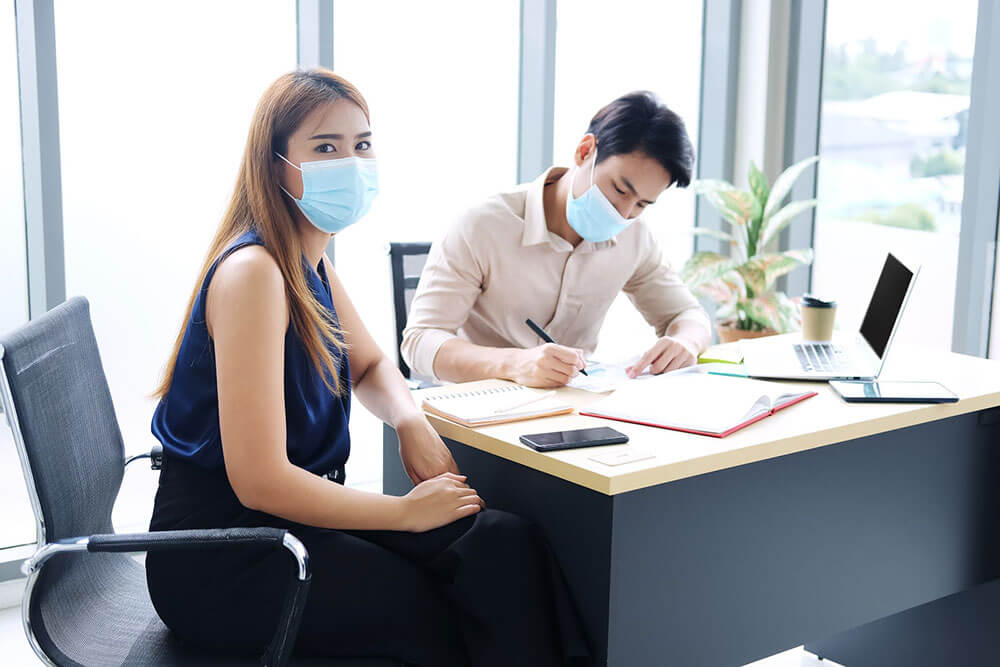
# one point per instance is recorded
(817, 318)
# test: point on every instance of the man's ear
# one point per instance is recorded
(585, 148)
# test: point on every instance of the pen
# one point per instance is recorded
(544, 336)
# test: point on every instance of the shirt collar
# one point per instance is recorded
(535, 229)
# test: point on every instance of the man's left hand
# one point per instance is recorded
(668, 354)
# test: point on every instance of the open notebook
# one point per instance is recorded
(495, 403)
(697, 403)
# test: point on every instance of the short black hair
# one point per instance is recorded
(639, 121)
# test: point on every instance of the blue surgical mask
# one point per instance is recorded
(591, 215)
(336, 193)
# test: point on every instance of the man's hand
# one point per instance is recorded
(547, 365)
(667, 354)
(423, 453)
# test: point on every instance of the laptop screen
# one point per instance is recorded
(887, 301)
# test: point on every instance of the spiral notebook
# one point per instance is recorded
(496, 403)
(703, 404)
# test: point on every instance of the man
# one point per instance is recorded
(558, 251)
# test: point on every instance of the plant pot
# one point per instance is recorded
(728, 333)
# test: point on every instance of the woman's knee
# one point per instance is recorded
(505, 528)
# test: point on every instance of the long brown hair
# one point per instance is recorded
(258, 204)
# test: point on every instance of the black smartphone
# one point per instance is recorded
(584, 437)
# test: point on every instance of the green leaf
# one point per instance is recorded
(754, 278)
(724, 291)
(704, 186)
(734, 205)
(715, 233)
(790, 312)
(741, 203)
(773, 310)
(758, 184)
(706, 266)
(780, 220)
(783, 184)
(754, 229)
(769, 267)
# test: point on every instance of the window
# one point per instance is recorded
(444, 121)
(602, 54)
(894, 119)
(155, 102)
(19, 526)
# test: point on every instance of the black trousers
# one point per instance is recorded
(482, 591)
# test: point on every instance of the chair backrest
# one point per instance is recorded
(406, 261)
(58, 405)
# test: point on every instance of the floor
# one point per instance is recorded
(15, 651)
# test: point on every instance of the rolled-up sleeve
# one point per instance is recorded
(658, 292)
(449, 285)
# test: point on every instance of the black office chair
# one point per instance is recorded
(82, 609)
(406, 261)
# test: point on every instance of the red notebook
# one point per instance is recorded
(711, 405)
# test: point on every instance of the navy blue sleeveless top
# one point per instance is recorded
(186, 420)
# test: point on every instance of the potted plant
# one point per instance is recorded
(741, 284)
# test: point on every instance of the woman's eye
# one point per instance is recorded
(363, 146)
(641, 205)
(618, 189)
(326, 148)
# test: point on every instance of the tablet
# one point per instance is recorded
(893, 392)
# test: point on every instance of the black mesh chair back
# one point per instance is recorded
(406, 260)
(71, 437)
(86, 600)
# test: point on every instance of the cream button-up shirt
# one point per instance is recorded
(500, 265)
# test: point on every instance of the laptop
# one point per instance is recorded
(859, 359)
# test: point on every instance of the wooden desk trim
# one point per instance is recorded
(976, 396)
(639, 479)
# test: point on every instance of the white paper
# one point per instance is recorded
(601, 377)
(605, 377)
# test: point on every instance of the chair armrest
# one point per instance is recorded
(186, 539)
(280, 649)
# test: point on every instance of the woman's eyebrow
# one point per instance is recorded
(339, 136)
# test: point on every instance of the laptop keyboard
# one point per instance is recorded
(822, 357)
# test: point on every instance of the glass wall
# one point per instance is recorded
(19, 526)
(155, 102)
(894, 119)
(444, 123)
(602, 53)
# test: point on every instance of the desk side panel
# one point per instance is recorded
(732, 566)
(960, 629)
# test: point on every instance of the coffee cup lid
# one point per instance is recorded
(816, 302)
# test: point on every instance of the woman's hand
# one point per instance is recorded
(422, 451)
(438, 502)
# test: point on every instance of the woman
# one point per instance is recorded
(253, 419)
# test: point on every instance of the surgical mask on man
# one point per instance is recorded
(336, 193)
(591, 215)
